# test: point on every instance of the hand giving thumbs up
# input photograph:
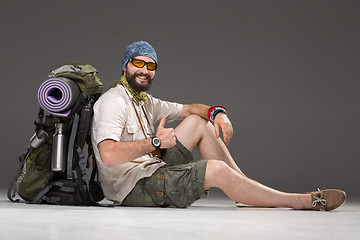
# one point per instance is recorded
(166, 135)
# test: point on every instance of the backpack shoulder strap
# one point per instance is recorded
(79, 159)
(70, 155)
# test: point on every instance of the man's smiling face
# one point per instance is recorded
(139, 79)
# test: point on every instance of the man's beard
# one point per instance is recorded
(134, 85)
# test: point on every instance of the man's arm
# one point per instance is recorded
(198, 109)
(221, 121)
(113, 152)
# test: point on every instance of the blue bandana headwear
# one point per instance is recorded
(140, 48)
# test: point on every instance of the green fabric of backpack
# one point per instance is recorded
(34, 180)
(84, 75)
(37, 170)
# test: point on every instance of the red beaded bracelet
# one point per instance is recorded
(214, 110)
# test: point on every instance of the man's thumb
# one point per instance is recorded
(162, 122)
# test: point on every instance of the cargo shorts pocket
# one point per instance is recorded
(179, 186)
(156, 185)
(148, 192)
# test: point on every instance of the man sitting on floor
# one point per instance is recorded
(139, 166)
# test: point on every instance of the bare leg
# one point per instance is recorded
(245, 190)
(195, 131)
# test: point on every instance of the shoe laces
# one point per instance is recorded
(318, 200)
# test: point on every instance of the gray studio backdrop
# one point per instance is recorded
(287, 71)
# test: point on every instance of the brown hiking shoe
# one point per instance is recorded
(328, 199)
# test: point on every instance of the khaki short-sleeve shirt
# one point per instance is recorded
(115, 118)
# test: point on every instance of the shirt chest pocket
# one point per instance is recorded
(131, 132)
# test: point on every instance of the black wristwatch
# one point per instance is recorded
(155, 141)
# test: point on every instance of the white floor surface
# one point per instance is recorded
(213, 218)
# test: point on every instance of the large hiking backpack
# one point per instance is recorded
(68, 96)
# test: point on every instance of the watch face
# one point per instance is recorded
(156, 142)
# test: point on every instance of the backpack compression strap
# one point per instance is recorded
(12, 189)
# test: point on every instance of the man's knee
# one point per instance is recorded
(217, 166)
(216, 171)
(194, 118)
(192, 130)
(202, 125)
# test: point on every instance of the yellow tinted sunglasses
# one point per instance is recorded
(140, 64)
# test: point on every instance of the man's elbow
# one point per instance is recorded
(106, 149)
(107, 158)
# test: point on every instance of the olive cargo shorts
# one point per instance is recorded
(179, 183)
